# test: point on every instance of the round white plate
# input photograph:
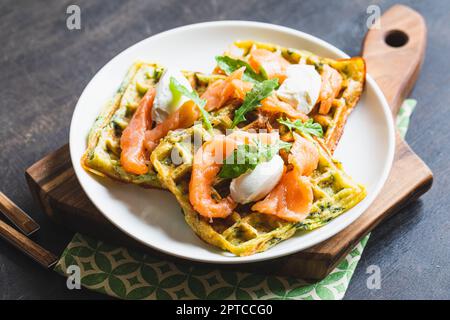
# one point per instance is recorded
(153, 216)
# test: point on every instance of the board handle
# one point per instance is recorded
(395, 52)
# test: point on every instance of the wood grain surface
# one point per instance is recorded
(16, 216)
(44, 68)
(394, 53)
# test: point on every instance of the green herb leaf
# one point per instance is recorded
(246, 157)
(177, 87)
(284, 145)
(242, 160)
(260, 91)
(309, 127)
(229, 65)
(267, 151)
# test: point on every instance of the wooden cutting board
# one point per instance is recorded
(394, 54)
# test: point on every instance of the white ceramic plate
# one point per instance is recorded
(153, 216)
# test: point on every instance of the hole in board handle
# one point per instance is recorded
(396, 38)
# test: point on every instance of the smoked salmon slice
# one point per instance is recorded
(273, 64)
(205, 168)
(241, 88)
(292, 197)
(290, 200)
(331, 85)
(274, 105)
(133, 155)
(219, 92)
(304, 155)
(183, 117)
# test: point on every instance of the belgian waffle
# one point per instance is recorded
(245, 232)
(352, 70)
(102, 156)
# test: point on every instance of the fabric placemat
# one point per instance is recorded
(128, 274)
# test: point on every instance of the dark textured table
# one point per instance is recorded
(44, 68)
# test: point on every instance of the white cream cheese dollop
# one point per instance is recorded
(301, 88)
(165, 103)
(255, 185)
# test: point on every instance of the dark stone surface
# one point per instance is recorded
(44, 68)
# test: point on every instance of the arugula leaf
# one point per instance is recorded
(260, 91)
(229, 65)
(243, 159)
(309, 127)
(246, 157)
(178, 88)
(283, 145)
(267, 151)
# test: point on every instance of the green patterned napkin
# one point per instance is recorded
(404, 114)
(128, 274)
